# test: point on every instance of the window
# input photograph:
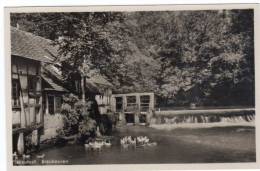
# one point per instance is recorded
(14, 68)
(32, 69)
(51, 104)
(34, 85)
(119, 104)
(58, 104)
(54, 104)
(131, 103)
(31, 83)
(78, 86)
(131, 100)
(145, 103)
(15, 93)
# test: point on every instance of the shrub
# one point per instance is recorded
(71, 119)
(60, 132)
(93, 111)
(79, 119)
(107, 122)
(79, 107)
(87, 128)
(83, 119)
(70, 99)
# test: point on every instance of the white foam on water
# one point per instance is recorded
(201, 125)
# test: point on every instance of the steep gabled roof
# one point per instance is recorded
(99, 80)
(97, 84)
(54, 86)
(53, 70)
(28, 45)
(53, 79)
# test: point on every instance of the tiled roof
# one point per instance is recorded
(53, 78)
(99, 80)
(54, 85)
(90, 86)
(53, 70)
(27, 45)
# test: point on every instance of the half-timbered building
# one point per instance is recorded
(27, 56)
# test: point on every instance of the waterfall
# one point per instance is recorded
(206, 117)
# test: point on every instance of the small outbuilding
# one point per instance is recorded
(133, 108)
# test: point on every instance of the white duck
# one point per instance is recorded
(40, 156)
(26, 156)
(15, 156)
(146, 140)
(86, 145)
(96, 145)
(123, 141)
(107, 144)
(152, 144)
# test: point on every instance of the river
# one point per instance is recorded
(200, 145)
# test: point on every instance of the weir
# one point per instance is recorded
(204, 116)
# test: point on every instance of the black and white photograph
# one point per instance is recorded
(132, 87)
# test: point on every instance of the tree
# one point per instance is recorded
(209, 53)
(197, 50)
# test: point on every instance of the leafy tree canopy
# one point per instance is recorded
(203, 57)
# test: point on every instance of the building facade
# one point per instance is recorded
(53, 89)
(27, 109)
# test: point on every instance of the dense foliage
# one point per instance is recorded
(75, 122)
(84, 125)
(202, 57)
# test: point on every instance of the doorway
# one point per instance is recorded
(130, 118)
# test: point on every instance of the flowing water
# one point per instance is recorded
(204, 116)
(208, 145)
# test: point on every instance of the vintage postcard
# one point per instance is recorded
(132, 87)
